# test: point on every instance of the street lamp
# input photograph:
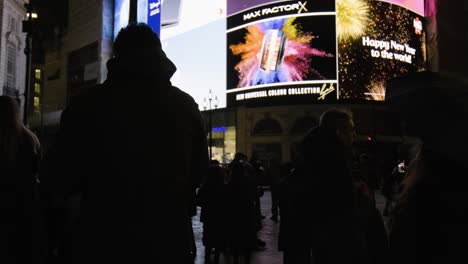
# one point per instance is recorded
(210, 124)
(28, 29)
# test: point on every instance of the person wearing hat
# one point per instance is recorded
(134, 148)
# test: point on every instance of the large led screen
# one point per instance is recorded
(148, 12)
(193, 35)
(121, 15)
(288, 52)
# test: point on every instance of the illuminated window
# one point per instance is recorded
(37, 88)
(38, 74)
(13, 24)
(37, 104)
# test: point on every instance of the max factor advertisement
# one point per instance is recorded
(287, 52)
(281, 51)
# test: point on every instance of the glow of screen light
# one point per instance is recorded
(219, 129)
(124, 12)
(34, 15)
(376, 91)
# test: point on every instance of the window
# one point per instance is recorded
(11, 66)
(267, 126)
(37, 104)
(13, 25)
(304, 124)
(37, 73)
(37, 88)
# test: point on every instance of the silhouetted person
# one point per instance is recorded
(275, 179)
(368, 172)
(430, 215)
(135, 148)
(19, 164)
(318, 197)
(392, 185)
(370, 224)
(259, 177)
(213, 201)
(242, 217)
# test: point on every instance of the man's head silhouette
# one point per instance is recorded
(137, 40)
(138, 49)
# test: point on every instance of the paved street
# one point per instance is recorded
(269, 234)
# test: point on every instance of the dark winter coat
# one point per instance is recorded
(20, 225)
(135, 149)
(317, 204)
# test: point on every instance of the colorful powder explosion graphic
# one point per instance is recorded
(285, 56)
(352, 18)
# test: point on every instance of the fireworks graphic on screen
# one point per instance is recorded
(376, 91)
(364, 77)
(352, 18)
(276, 51)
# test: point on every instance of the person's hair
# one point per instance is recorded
(138, 51)
(11, 129)
(334, 119)
(137, 40)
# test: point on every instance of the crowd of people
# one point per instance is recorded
(109, 189)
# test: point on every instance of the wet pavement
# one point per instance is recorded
(269, 234)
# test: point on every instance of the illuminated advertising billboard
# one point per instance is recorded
(306, 52)
(121, 15)
(193, 36)
(149, 12)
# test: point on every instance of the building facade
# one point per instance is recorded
(76, 57)
(12, 44)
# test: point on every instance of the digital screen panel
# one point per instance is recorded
(149, 12)
(264, 52)
(384, 41)
(193, 35)
(121, 15)
(282, 51)
(308, 52)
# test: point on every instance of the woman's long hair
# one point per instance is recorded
(12, 130)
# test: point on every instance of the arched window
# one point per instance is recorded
(11, 65)
(267, 126)
(304, 124)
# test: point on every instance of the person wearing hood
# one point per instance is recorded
(134, 149)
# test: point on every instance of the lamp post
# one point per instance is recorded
(210, 124)
(28, 29)
(133, 11)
